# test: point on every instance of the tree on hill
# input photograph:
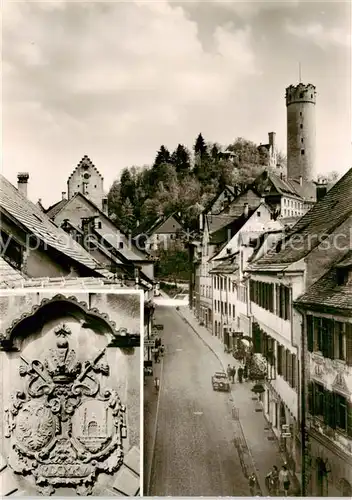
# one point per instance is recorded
(200, 147)
(127, 219)
(162, 156)
(180, 158)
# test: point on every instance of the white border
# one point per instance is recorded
(4, 292)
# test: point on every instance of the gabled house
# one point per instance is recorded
(326, 400)
(90, 226)
(221, 201)
(308, 250)
(33, 244)
(249, 196)
(229, 289)
(160, 232)
(288, 197)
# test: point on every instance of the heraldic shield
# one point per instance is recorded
(65, 428)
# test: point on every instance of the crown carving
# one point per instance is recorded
(62, 364)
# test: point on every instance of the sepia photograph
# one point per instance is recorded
(194, 155)
(70, 394)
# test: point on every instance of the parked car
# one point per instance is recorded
(220, 382)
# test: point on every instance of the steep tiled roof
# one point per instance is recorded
(52, 211)
(149, 229)
(113, 241)
(226, 265)
(326, 291)
(36, 222)
(216, 222)
(9, 277)
(326, 215)
(225, 232)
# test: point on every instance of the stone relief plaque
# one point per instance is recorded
(64, 427)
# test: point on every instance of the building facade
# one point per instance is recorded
(86, 179)
(326, 310)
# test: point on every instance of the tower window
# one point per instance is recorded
(301, 95)
(302, 151)
(300, 113)
(95, 186)
(311, 96)
(301, 126)
(302, 139)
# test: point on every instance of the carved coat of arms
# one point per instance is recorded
(65, 428)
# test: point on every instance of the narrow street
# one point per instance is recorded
(191, 446)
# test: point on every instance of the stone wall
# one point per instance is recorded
(81, 322)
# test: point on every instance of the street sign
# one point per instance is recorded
(286, 434)
(149, 343)
(158, 327)
(285, 427)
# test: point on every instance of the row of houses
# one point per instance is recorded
(274, 264)
(74, 241)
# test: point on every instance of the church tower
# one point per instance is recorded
(300, 103)
(86, 179)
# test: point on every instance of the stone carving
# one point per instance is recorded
(340, 384)
(64, 428)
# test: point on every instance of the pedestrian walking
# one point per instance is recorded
(284, 480)
(272, 481)
(233, 374)
(156, 355)
(245, 371)
(156, 384)
(229, 371)
(253, 484)
(240, 374)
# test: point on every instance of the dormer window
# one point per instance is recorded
(342, 276)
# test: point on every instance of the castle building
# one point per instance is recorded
(86, 179)
(300, 103)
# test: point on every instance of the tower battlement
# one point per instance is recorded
(300, 93)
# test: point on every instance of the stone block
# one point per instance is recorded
(8, 483)
(127, 482)
(132, 460)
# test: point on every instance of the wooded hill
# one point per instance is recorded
(183, 181)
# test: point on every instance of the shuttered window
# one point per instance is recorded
(279, 359)
(349, 343)
(310, 333)
(293, 372)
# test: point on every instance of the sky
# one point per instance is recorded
(115, 80)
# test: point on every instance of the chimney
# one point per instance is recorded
(22, 183)
(63, 195)
(262, 200)
(245, 210)
(300, 180)
(201, 222)
(272, 140)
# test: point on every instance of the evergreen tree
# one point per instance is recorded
(200, 148)
(127, 218)
(215, 152)
(127, 186)
(163, 156)
(180, 158)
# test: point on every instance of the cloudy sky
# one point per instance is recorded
(115, 80)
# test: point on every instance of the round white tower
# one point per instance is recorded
(300, 103)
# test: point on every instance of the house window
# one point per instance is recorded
(302, 151)
(121, 244)
(319, 398)
(99, 225)
(340, 341)
(258, 213)
(11, 251)
(233, 311)
(341, 412)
